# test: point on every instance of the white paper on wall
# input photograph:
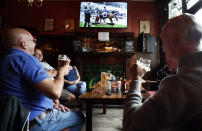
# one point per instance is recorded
(103, 36)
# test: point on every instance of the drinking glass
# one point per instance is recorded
(103, 78)
(62, 60)
(144, 63)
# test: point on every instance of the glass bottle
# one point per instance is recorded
(108, 87)
(123, 84)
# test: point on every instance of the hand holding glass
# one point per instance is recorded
(144, 63)
(62, 60)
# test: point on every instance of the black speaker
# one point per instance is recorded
(150, 43)
(146, 43)
(140, 42)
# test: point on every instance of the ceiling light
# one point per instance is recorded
(31, 3)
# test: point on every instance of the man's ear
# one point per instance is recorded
(23, 44)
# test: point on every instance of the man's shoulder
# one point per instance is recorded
(31, 59)
(21, 57)
(171, 82)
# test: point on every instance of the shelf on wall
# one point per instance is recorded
(105, 54)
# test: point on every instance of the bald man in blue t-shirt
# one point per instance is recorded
(22, 75)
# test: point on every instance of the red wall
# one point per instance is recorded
(15, 13)
(145, 11)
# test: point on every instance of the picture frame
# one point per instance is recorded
(49, 24)
(1, 22)
(129, 46)
(145, 26)
(77, 45)
(69, 25)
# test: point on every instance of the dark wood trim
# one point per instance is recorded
(195, 8)
(117, 54)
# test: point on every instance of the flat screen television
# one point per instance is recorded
(103, 14)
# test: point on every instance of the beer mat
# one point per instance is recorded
(114, 87)
(100, 91)
(152, 92)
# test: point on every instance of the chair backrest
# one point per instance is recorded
(13, 115)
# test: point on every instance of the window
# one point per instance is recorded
(174, 8)
(191, 3)
(198, 15)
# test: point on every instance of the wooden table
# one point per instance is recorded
(96, 97)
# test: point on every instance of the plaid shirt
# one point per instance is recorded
(164, 72)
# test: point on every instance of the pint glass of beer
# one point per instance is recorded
(103, 78)
(62, 60)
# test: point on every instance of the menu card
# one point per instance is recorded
(103, 36)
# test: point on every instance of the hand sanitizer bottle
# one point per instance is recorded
(108, 87)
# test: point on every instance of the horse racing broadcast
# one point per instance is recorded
(103, 14)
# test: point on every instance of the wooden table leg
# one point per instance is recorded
(104, 108)
(88, 116)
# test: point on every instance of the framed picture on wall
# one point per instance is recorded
(145, 26)
(69, 25)
(129, 46)
(49, 23)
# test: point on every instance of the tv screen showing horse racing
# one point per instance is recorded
(103, 14)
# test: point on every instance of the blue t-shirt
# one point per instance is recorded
(19, 72)
(72, 75)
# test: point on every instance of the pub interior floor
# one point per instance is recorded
(111, 121)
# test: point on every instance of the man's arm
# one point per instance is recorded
(52, 73)
(59, 106)
(68, 82)
(53, 88)
(159, 111)
(49, 69)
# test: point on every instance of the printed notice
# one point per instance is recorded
(103, 36)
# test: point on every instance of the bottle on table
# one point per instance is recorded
(123, 85)
(109, 88)
(119, 86)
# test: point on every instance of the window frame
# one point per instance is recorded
(193, 9)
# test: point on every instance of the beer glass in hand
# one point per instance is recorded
(139, 69)
(144, 63)
(62, 60)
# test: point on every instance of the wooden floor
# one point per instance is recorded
(112, 121)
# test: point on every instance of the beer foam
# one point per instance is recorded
(62, 57)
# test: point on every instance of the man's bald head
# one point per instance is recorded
(19, 39)
(14, 36)
(186, 27)
(181, 35)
